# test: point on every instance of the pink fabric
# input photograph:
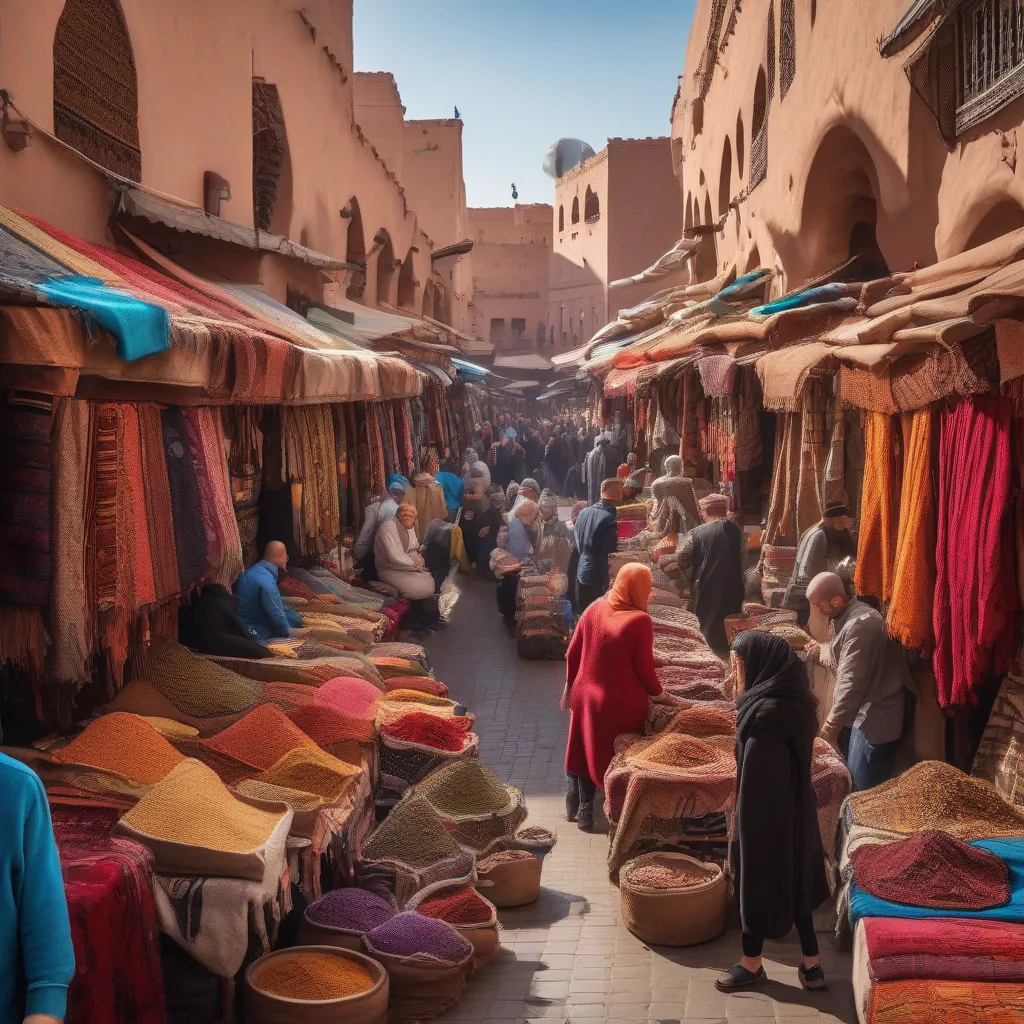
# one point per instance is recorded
(975, 586)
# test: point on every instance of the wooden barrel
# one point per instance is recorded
(369, 1007)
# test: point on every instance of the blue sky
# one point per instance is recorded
(524, 74)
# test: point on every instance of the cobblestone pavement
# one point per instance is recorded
(567, 957)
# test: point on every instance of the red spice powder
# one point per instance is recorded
(261, 738)
(464, 907)
(430, 730)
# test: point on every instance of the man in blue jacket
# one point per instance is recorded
(260, 606)
(596, 535)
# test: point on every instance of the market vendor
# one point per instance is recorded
(596, 533)
(529, 490)
(555, 536)
(379, 511)
(260, 606)
(828, 542)
(710, 561)
(37, 959)
(454, 489)
(209, 623)
(396, 551)
(871, 674)
(523, 531)
(481, 532)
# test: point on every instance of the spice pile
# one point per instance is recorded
(679, 875)
(314, 977)
(350, 910)
(464, 907)
(447, 734)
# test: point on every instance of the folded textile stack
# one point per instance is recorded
(543, 621)
(632, 519)
(777, 564)
(933, 874)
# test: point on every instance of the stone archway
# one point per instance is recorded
(407, 284)
(385, 267)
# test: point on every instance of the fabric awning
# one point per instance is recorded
(915, 20)
(784, 373)
(529, 361)
(672, 262)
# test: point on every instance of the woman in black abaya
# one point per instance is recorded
(778, 859)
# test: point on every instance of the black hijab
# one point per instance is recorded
(777, 696)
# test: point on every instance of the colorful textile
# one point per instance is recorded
(72, 631)
(108, 885)
(880, 509)
(157, 487)
(932, 869)
(25, 464)
(1000, 754)
(910, 612)
(186, 508)
(946, 1002)
(975, 592)
(139, 328)
(944, 948)
(1010, 851)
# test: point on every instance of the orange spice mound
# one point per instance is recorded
(314, 977)
(261, 738)
(289, 695)
(122, 743)
(326, 725)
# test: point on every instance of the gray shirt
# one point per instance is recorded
(870, 674)
(811, 559)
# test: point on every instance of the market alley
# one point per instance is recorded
(567, 957)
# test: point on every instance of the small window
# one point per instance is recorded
(576, 210)
(591, 205)
(561, 218)
(518, 327)
(497, 336)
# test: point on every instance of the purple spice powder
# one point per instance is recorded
(353, 910)
(410, 933)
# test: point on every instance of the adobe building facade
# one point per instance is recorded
(613, 216)
(510, 258)
(810, 136)
(245, 109)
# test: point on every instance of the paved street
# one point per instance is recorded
(568, 957)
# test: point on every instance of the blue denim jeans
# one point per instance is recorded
(870, 764)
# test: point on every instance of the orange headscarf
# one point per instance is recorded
(631, 590)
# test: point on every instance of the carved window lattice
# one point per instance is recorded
(770, 47)
(787, 46)
(95, 86)
(575, 218)
(268, 150)
(591, 205)
(990, 59)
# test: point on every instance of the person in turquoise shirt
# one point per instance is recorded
(452, 486)
(37, 960)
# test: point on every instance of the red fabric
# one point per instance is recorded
(961, 936)
(611, 675)
(114, 928)
(975, 586)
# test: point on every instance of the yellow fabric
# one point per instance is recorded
(880, 509)
(910, 612)
(458, 549)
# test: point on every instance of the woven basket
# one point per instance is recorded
(311, 934)
(370, 1007)
(534, 839)
(674, 917)
(485, 938)
(513, 883)
(422, 987)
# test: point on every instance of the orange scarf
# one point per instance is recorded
(631, 590)
(880, 508)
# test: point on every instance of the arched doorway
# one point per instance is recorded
(739, 146)
(840, 210)
(428, 299)
(725, 179)
(688, 214)
(407, 284)
(355, 250)
(95, 87)
(385, 268)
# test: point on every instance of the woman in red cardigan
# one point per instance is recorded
(609, 680)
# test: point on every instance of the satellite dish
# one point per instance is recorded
(564, 155)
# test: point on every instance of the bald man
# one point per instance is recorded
(260, 607)
(871, 674)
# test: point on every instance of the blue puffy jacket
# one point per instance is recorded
(260, 606)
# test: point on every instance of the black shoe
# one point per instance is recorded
(572, 799)
(585, 817)
(813, 979)
(738, 978)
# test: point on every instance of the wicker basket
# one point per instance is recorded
(370, 1007)
(512, 883)
(674, 917)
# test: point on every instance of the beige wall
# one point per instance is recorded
(194, 62)
(638, 221)
(850, 140)
(509, 266)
